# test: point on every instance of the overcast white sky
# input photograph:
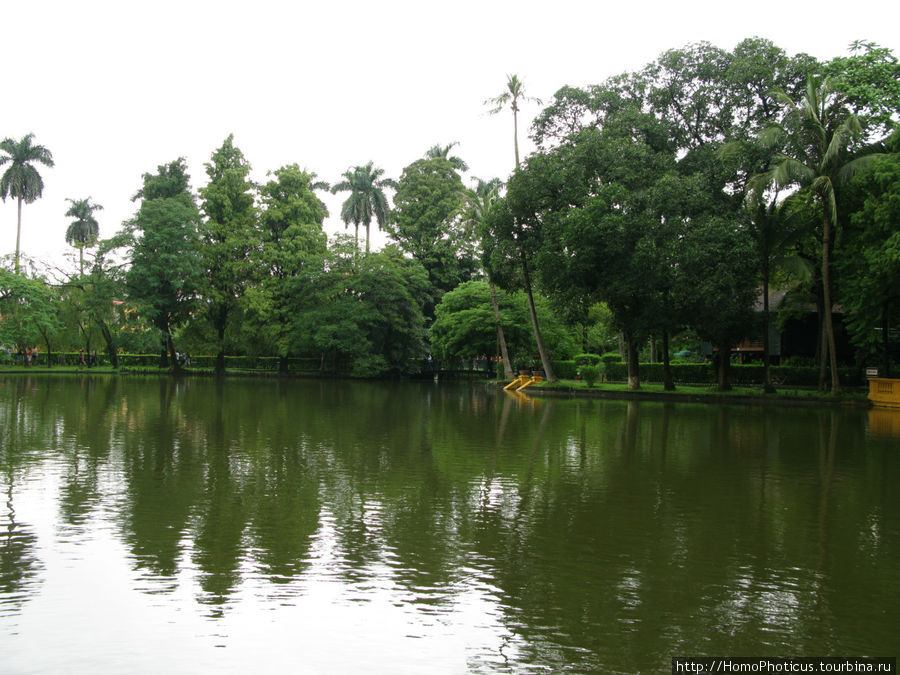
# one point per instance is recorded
(114, 89)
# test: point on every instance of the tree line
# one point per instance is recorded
(657, 205)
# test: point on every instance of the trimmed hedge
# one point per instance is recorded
(202, 362)
(566, 370)
(741, 374)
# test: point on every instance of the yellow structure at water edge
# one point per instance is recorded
(884, 392)
(523, 381)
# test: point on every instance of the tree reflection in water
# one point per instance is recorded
(592, 535)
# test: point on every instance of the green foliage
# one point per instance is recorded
(367, 198)
(229, 237)
(589, 374)
(364, 312)
(464, 325)
(566, 370)
(21, 179)
(84, 230)
(741, 374)
(292, 246)
(869, 260)
(870, 79)
(443, 152)
(715, 281)
(165, 271)
(29, 311)
(587, 359)
(428, 223)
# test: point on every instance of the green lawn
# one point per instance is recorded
(707, 390)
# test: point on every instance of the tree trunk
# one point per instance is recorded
(110, 345)
(668, 384)
(18, 233)
(768, 387)
(516, 135)
(504, 354)
(885, 343)
(826, 301)
(653, 355)
(823, 354)
(49, 349)
(168, 353)
(634, 374)
(176, 367)
(221, 322)
(724, 364)
(545, 360)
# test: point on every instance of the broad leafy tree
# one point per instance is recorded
(292, 247)
(869, 261)
(229, 236)
(29, 312)
(428, 223)
(21, 179)
(463, 324)
(716, 284)
(165, 270)
(869, 80)
(364, 315)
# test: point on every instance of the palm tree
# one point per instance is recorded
(775, 227)
(480, 201)
(822, 154)
(515, 91)
(443, 152)
(84, 230)
(366, 198)
(21, 180)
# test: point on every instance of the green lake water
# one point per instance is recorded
(158, 525)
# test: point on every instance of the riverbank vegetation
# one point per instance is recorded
(664, 212)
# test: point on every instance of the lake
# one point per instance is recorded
(190, 525)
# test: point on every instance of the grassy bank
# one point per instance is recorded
(699, 393)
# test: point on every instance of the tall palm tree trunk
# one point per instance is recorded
(768, 387)
(516, 136)
(826, 299)
(504, 354)
(545, 360)
(18, 233)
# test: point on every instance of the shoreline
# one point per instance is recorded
(784, 399)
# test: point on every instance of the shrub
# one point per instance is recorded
(587, 359)
(610, 359)
(589, 374)
(565, 370)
